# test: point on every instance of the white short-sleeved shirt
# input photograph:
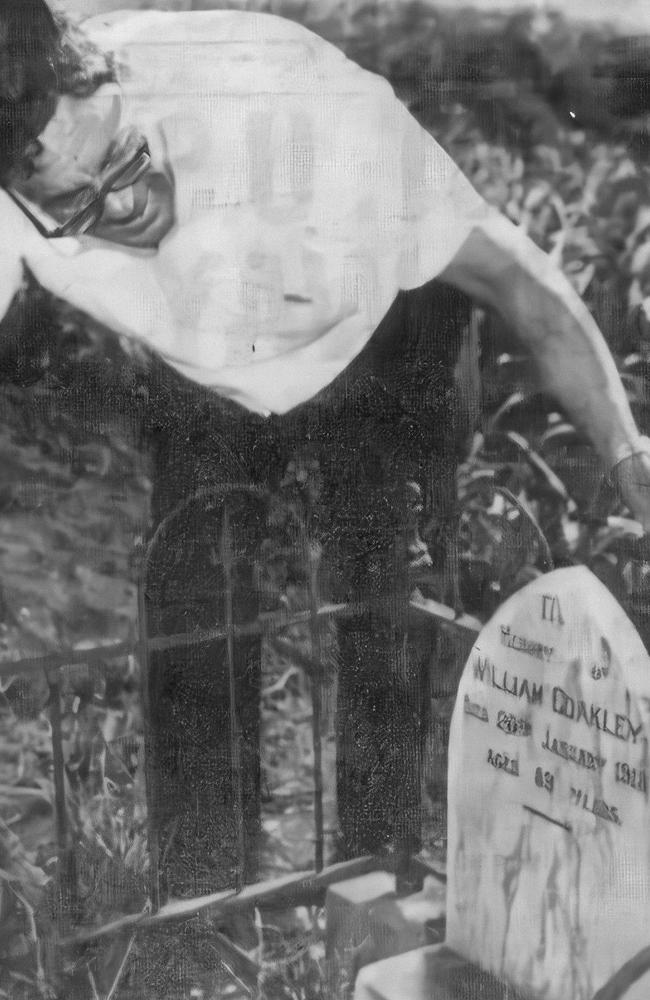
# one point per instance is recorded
(307, 196)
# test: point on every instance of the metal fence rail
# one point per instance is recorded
(269, 626)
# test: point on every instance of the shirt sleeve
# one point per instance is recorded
(440, 207)
(440, 228)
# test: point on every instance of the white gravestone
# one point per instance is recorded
(549, 825)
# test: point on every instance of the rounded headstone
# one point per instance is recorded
(549, 824)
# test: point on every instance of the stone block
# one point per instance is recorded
(347, 906)
(431, 973)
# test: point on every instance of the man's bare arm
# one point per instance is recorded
(501, 267)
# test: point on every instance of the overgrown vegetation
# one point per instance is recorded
(586, 202)
(74, 501)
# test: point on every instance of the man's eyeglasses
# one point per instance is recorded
(127, 164)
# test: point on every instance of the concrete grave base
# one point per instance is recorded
(348, 905)
(433, 973)
(367, 922)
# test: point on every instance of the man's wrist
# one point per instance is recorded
(640, 445)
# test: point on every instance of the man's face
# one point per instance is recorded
(74, 146)
(71, 152)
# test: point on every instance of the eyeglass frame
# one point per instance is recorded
(88, 215)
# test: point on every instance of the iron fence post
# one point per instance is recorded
(316, 696)
(65, 855)
(235, 727)
(152, 832)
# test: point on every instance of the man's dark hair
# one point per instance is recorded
(42, 55)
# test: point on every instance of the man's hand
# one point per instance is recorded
(144, 219)
(632, 477)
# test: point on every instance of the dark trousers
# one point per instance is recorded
(390, 418)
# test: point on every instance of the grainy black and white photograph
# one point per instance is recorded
(324, 491)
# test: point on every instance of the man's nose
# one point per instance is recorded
(119, 205)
